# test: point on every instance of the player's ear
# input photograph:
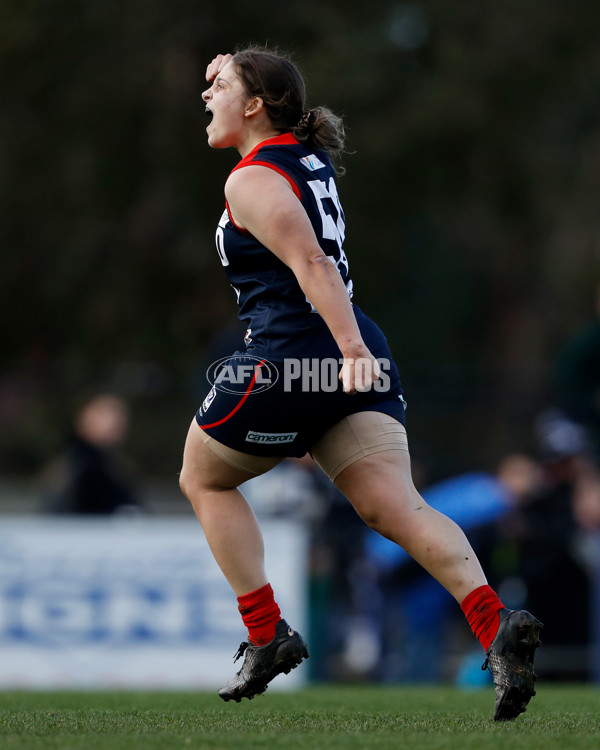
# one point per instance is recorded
(253, 106)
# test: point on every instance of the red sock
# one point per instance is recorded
(481, 609)
(260, 613)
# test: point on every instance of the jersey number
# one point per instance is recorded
(334, 228)
(220, 238)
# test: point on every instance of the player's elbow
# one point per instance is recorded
(317, 266)
(314, 273)
(317, 259)
(310, 265)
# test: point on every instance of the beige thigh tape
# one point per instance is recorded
(244, 461)
(356, 436)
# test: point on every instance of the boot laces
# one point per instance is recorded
(241, 650)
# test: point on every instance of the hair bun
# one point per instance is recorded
(306, 120)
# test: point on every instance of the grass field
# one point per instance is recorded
(313, 719)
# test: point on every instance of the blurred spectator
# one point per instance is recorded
(578, 377)
(538, 562)
(295, 488)
(90, 476)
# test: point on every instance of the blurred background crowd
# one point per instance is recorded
(473, 233)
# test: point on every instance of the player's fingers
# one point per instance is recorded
(216, 65)
(376, 370)
(361, 375)
(367, 371)
(213, 68)
(347, 377)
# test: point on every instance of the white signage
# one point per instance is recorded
(130, 603)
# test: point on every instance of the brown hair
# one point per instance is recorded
(277, 81)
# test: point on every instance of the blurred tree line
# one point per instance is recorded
(471, 199)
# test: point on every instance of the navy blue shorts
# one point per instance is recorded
(281, 408)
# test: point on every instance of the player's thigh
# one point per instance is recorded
(363, 434)
(209, 465)
(366, 456)
(382, 492)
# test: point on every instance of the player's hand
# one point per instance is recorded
(216, 66)
(359, 373)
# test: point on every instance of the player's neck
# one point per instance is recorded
(255, 137)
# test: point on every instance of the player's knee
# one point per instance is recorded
(378, 516)
(394, 516)
(195, 483)
(188, 483)
(183, 485)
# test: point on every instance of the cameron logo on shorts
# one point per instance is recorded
(270, 437)
(242, 374)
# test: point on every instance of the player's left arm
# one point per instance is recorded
(263, 202)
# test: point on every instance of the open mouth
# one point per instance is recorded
(209, 113)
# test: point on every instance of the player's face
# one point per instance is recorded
(225, 101)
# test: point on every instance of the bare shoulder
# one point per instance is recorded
(244, 186)
(263, 202)
(252, 179)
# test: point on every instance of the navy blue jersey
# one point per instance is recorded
(279, 319)
(279, 395)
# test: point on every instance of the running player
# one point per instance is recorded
(280, 240)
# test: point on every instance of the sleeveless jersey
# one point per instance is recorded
(280, 320)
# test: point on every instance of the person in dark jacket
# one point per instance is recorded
(90, 477)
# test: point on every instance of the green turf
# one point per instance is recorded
(313, 719)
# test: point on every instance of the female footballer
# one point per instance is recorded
(280, 240)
